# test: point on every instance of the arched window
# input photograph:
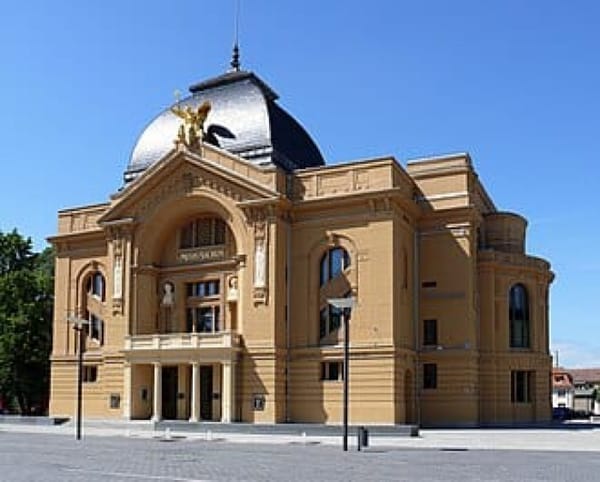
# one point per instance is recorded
(330, 318)
(207, 231)
(518, 314)
(95, 327)
(333, 264)
(96, 286)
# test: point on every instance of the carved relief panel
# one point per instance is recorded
(261, 260)
(119, 238)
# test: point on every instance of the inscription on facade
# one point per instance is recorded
(201, 255)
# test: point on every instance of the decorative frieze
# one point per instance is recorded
(187, 183)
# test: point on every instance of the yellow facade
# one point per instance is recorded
(205, 284)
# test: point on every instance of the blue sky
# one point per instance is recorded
(513, 83)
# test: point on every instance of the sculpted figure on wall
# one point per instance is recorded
(118, 278)
(260, 265)
(117, 271)
(168, 298)
(232, 289)
(167, 302)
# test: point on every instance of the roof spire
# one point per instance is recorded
(235, 57)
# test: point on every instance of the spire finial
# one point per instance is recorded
(235, 58)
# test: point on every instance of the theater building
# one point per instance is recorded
(204, 281)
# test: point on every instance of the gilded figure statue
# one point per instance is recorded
(191, 131)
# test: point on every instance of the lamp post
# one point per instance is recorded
(346, 305)
(79, 328)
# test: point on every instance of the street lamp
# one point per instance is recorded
(78, 326)
(346, 305)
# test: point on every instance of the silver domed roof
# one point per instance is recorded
(244, 119)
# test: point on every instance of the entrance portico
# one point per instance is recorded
(181, 383)
(193, 391)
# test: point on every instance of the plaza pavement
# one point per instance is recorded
(58, 458)
(572, 437)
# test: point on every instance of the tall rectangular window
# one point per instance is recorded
(204, 318)
(429, 375)
(518, 314)
(95, 327)
(430, 336)
(203, 312)
(331, 317)
(90, 373)
(203, 289)
(189, 320)
(521, 386)
(332, 371)
(323, 318)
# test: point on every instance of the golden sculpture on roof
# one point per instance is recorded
(191, 130)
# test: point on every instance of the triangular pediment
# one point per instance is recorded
(183, 171)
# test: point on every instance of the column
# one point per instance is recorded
(127, 391)
(228, 391)
(195, 405)
(157, 396)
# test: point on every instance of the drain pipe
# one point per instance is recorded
(288, 296)
(416, 300)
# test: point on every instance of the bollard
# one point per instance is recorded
(167, 433)
(365, 437)
(362, 435)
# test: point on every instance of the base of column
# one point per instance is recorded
(155, 419)
(193, 419)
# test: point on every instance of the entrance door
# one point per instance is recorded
(169, 393)
(408, 398)
(206, 389)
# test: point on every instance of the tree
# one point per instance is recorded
(26, 302)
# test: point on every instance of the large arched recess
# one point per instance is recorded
(156, 228)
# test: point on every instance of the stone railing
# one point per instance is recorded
(180, 341)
